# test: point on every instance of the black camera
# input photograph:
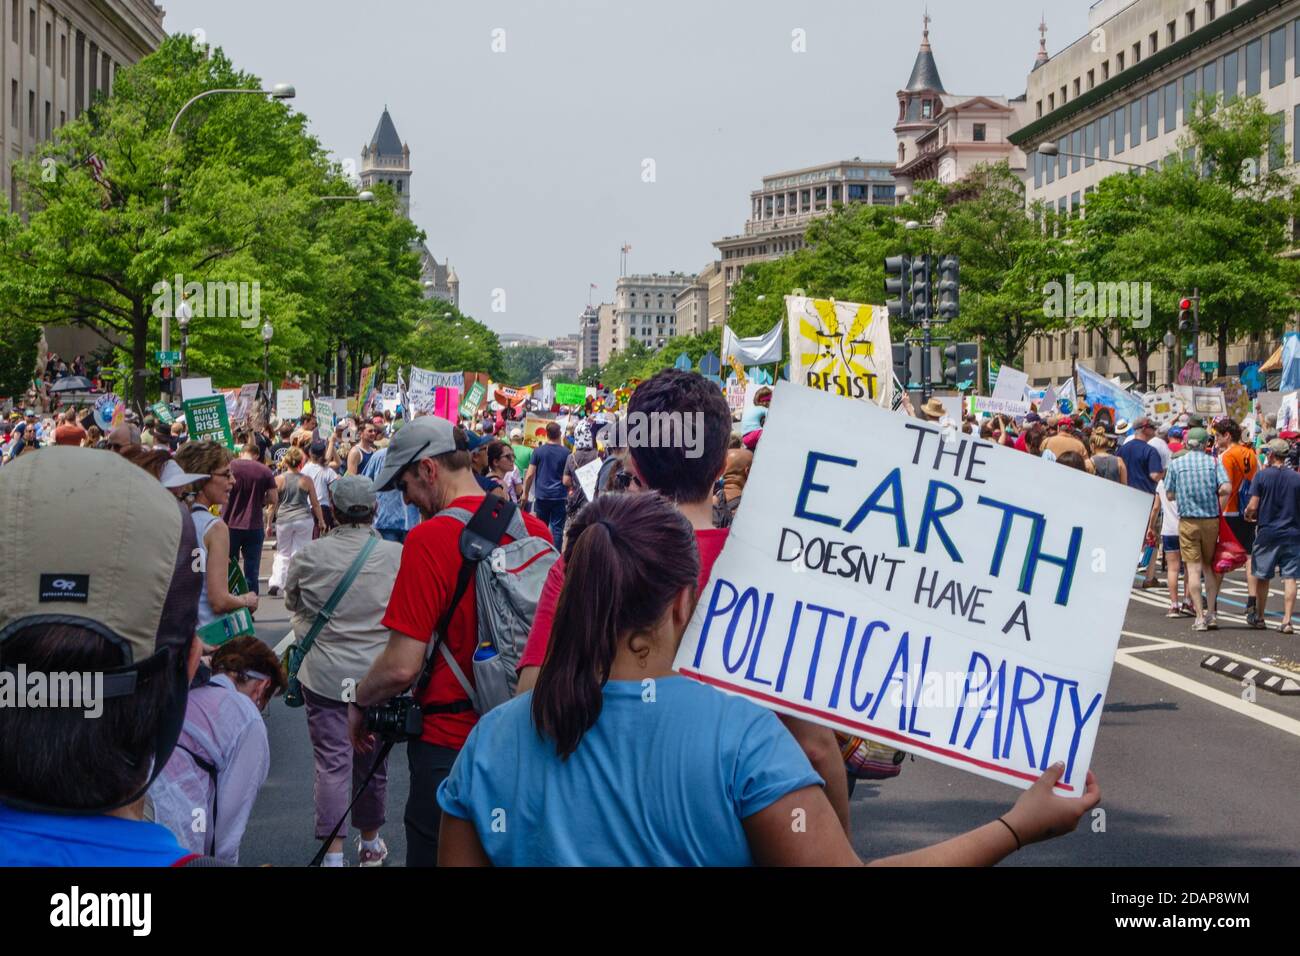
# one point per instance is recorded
(398, 719)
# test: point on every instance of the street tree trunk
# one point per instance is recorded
(1222, 334)
(139, 343)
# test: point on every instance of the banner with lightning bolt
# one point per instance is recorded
(842, 348)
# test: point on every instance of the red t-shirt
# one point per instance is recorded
(426, 582)
(253, 480)
(708, 540)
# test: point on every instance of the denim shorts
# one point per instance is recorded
(1169, 542)
(1270, 557)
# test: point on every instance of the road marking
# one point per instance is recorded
(1171, 642)
(1228, 701)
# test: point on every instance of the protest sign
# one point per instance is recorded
(446, 403)
(950, 598)
(195, 388)
(841, 348)
(1100, 392)
(764, 349)
(288, 404)
(1288, 413)
(736, 396)
(999, 406)
(162, 412)
(1201, 401)
(390, 392)
(535, 430)
(206, 420)
(1268, 403)
(423, 380)
(1162, 407)
(1236, 398)
(1011, 384)
(109, 411)
(567, 394)
(473, 399)
(587, 476)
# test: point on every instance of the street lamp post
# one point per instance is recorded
(341, 385)
(183, 315)
(363, 196)
(267, 332)
(280, 91)
(1171, 340)
(1051, 151)
(1074, 362)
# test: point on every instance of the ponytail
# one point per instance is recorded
(628, 557)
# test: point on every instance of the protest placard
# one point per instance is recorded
(1202, 401)
(1288, 412)
(841, 348)
(1162, 407)
(950, 598)
(736, 396)
(535, 430)
(446, 403)
(1011, 384)
(999, 406)
(587, 476)
(162, 412)
(109, 411)
(568, 394)
(473, 399)
(206, 420)
(288, 404)
(195, 388)
(1099, 392)
(1236, 398)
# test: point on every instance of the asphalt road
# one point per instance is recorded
(1191, 774)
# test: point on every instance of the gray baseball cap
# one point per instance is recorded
(353, 495)
(425, 437)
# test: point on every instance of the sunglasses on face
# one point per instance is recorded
(625, 478)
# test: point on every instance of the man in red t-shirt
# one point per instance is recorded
(687, 476)
(429, 462)
(253, 489)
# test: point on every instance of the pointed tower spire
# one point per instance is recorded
(925, 72)
(1042, 43)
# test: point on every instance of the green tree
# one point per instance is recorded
(18, 343)
(523, 364)
(446, 340)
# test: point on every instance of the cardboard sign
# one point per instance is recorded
(195, 388)
(999, 406)
(587, 476)
(950, 598)
(841, 348)
(1288, 412)
(736, 396)
(288, 404)
(1202, 401)
(535, 430)
(1011, 384)
(206, 420)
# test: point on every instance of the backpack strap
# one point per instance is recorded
(327, 612)
(482, 534)
(208, 767)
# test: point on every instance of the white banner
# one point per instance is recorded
(1201, 401)
(196, 388)
(422, 380)
(1000, 406)
(760, 350)
(1011, 384)
(842, 348)
(938, 596)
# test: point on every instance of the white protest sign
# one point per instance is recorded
(195, 388)
(842, 348)
(1000, 406)
(1201, 401)
(288, 404)
(587, 476)
(1011, 384)
(735, 396)
(940, 597)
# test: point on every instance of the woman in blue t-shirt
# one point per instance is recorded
(613, 760)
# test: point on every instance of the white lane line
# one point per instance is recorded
(1199, 647)
(1228, 701)
(1164, 605)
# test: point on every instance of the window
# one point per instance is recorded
(1076, 87)
(63, 55)
(1231, 65)
(1105, 70)
(1276, 57)
(1035, 160)
(926, 109)
(1135, 123)
(1152, 43)
(1254, 49)
(13, 103)
(31, 32)
(1210, 81)
(31, 113)
(1038, 349)
(94, 73)
(1092, 81)
(1090, 143)
(1103, 136)
(1189, 96)
(1171, 32)
(49, 44)
(63, 118)
(1153, 116)
(1120, 129)
(1209, 11)
(1063, 161)
(1051, 99)
(1075, 205)
(1063, 98)
(1119, 62)
(1038, 110)
(1051, 339)
(1295, 142)
(106, 76)
(1076, 147)
(980, 132)
(1137, 53)
(47, 119)
(1191, 20)
(1050, 166)
(13, 20)
(882, 195)
(1171, 106)
(1295, 64)
(1277, 142)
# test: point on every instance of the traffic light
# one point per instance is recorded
(949, 287)
(897, 283)
(1184, 315)
(920, 289)
(968, 363)
(950, 366)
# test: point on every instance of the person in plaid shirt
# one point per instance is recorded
(1198, 483)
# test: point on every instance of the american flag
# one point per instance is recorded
(593, 285)
(626, 247)
(96, 168)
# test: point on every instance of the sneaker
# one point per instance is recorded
(371, 857)
(1174, 611)
(272, 591)
(1212, 623)
(1286, 628)
(1254, 620)
(1200, 626)
(1186, 609)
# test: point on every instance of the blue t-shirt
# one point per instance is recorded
(1279, 504)
(1141, 460)
(550, 461)
(51, 839)
(662, 782)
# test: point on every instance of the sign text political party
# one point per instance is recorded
(841, 348)
(948, 597)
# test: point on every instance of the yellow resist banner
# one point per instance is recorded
(841, 348)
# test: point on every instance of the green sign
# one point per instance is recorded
(168, 358)
(567, 394)
(162, 412)
(472, 400)
(1210, 368)
(207, 420)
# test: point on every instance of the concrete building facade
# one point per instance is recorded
(1122, 94)
(606, 336)
(645, 310)
(589, 338)
(692, 303)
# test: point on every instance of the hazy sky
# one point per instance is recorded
(528, 163)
